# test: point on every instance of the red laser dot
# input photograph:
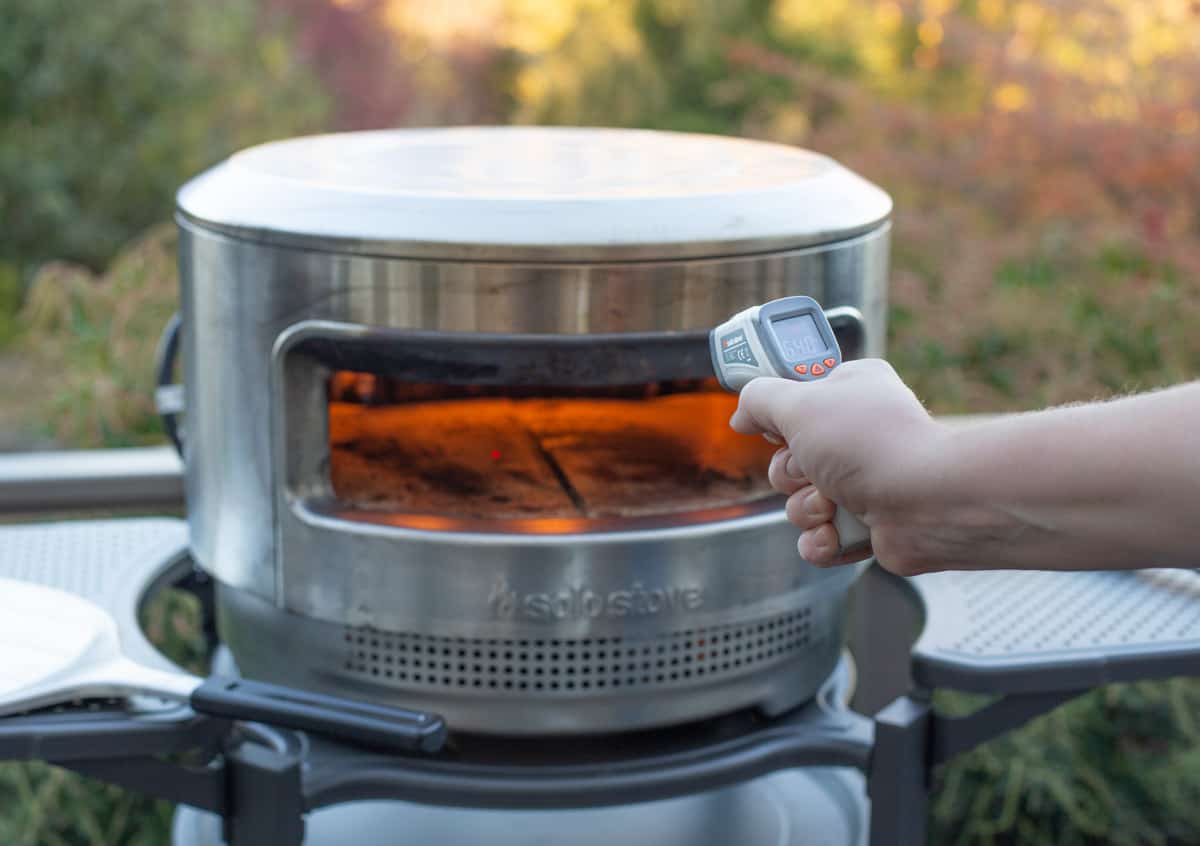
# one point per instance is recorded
(495, 455)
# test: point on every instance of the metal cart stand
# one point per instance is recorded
(1035, 640)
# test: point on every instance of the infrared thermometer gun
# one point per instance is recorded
(790, 338)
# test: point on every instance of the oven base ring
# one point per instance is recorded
(536, 684)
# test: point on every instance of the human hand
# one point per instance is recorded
(859, 440)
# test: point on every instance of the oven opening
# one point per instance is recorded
(540, 460)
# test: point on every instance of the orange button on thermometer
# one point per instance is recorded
(831, 363)
(817, 370)
(802, 369)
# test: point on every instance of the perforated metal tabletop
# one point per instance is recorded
(1031, 631)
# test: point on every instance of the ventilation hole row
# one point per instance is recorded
(672, 641)
(573, 665)
(699, 649)
(542, 681)
(789, 639)
(375, 637)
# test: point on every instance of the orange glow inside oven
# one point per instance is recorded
(546, 461)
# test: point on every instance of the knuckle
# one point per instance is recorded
(777, 474)
(811, 553)
(802, 515)
(794, 510)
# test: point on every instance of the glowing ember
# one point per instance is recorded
(650, 455)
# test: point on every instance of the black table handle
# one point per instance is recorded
(335, 717)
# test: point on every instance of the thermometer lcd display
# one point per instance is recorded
(799, 337)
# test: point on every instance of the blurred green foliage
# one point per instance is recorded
(1118, 765)
(42, 805)
(106, 108)
(10, 300)
(88, 340)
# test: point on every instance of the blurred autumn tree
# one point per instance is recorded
(1043, 157)
(383, 71)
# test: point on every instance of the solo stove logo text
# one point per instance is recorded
(583, 602)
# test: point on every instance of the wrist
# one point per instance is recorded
(938, 514)
(917, 471)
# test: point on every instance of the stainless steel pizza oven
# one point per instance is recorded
(452, 436)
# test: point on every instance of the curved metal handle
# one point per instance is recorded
(850, 328)
(168, 395)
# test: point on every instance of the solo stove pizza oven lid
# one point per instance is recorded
(534, 194)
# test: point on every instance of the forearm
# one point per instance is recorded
(1108, 485)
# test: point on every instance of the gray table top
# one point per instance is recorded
(1013, 631)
